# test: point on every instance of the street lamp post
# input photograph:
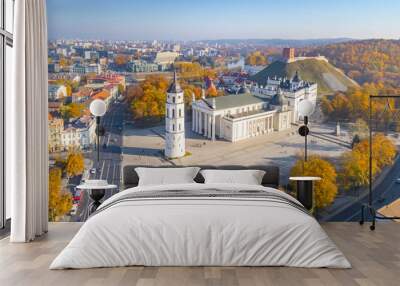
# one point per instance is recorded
(98, 108)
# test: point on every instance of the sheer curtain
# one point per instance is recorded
(26, 124)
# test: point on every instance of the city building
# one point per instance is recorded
(56, 126)
(165, 59)
(79, 135)
(78, 69)
(251, 113)
(91, 55)
(294, 90)
(93, 68)
(54, 106)
(143, 66)
(175, 121)
(56, 92)
(108, 95)
(53, 67)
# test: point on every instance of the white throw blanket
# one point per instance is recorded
(133, 229)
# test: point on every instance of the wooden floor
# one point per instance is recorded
(375, 257)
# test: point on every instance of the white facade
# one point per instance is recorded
(57, 92)
(80, 135)
(175, 121)
(238, 117)
(269, 108)
(294, 90)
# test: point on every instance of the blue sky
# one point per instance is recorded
(222, 19)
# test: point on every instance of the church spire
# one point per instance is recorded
(175, 87)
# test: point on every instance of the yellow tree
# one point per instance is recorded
(75, 164)
(355, 163)
(326, 189)
(60, 202)
(383, 150)
(355, 169)
(76, 110)
(256, 59)
(149, 101)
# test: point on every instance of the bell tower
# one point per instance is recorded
(175, 121)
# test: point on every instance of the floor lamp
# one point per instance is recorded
(98, 108)
(305, 109)
(369, 205)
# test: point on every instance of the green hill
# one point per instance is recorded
(328, 78)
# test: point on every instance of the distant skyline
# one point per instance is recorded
(233, 19)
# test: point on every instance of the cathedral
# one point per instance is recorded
(175, 121)
(258, 111)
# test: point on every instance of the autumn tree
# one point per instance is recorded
(355, 163)
(60, 202)
(72, 110)
(354, 104)
(326, 189)
(149, 101)
(365, 61)
(193, 71)
(64, 62)
(189, 90)
(256, 59)
(121, 59)
(75, 164)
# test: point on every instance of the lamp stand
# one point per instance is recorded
(305, 137)
(98, 139)
(303, 131)
(368, 207)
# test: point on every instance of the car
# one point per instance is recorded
(77, 195)
(398, 180)
(74, 209)
(93, 171)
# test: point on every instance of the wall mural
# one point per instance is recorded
(221, 102)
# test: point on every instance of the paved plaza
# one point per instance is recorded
(146, 146)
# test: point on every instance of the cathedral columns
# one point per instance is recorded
(209, 127)
(213, 128)
(205, 125)
(197, 122)
(193, 119)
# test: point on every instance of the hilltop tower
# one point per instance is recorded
(288, 54)
(175, 121)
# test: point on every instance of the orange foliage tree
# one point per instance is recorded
(60, 202)
(355, 163)
(366, 61)
(326, 189)
(75, 164)
(121, 59)
(149, 98)
(256, 59)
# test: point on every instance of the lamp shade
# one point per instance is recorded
(306, 107)
(98, 107)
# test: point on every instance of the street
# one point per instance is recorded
(383, 193)
(109, 166)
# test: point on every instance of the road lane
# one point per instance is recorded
(110, 157)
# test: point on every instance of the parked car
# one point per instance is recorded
(74, 209)
(77, 195)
